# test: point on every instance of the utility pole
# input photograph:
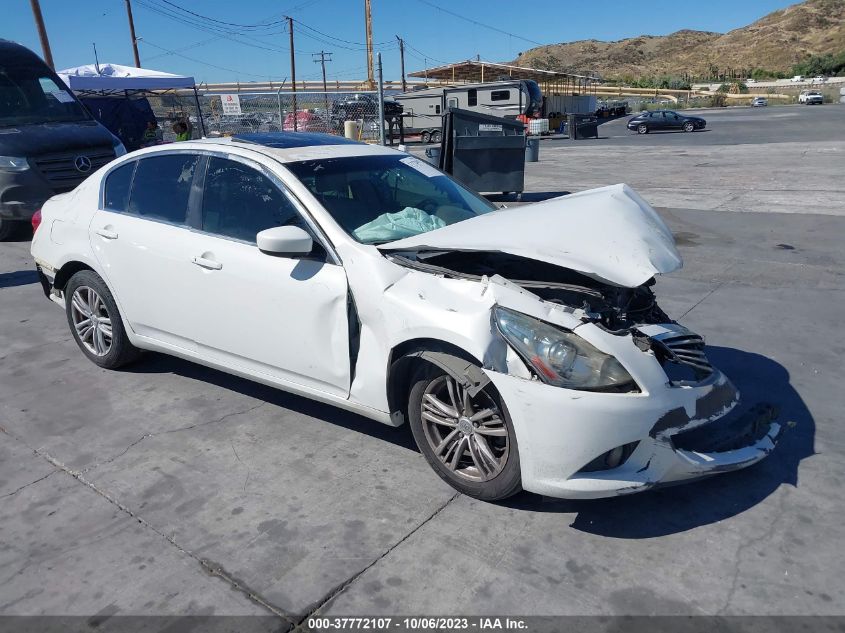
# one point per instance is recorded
(322, 59)
(380, 102)
(42, 33)
(368, 19)
(292, 71)
(132, 34)
(402, 61)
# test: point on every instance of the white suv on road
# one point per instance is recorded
(524, 346)
(811, 97)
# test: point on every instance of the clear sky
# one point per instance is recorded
(245, 40)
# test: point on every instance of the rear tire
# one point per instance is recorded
(95, 321)
(642, 129)
(477, 454)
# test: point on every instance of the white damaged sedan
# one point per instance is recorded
(523, 346)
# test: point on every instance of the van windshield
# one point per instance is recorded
(29, 94)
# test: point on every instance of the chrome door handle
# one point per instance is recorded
(207, 263)
(106, 233)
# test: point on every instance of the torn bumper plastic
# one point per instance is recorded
(678, 434)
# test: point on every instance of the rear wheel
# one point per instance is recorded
(95, 321)
(468, 440)
(642, 128)
(689, 126)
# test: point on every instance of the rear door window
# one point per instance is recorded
(118, 182)
(161, 187)
(239, 201)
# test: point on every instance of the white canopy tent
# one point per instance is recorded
(108, 77)
(115, 80)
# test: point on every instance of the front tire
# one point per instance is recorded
(642, 129)
(689, 127)
(425, 137)
(95, 322)
(469, 441)
(435, 136)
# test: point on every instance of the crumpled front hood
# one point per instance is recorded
(610, 234)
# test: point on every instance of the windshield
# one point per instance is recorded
(29, 94)
(379, 199)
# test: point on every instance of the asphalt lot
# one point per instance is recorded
(168, 488)
(737, 125)
(787, 159)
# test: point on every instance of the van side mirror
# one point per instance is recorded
(284, 240)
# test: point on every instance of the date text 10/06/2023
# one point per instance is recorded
(423, 623)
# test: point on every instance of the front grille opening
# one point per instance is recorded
(681, 373)
(613, 458)
(682, 357)
(60, 171)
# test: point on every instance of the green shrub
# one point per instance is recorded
(718, 100)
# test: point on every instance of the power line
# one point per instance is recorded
(220, 32)
(477, 23)
(301, 23)
(199, 61)
(223, 33)
(187, 48)
(425, 56)
(210, 19)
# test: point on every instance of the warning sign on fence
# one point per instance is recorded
(231, 104)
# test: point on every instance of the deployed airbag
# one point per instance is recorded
(393, 226)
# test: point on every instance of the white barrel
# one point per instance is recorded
(351, 129)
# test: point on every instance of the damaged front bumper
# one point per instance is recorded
(576, 444)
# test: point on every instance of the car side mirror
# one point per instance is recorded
(284, 240)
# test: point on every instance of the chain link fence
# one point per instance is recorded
(326, 112)
(303, 111)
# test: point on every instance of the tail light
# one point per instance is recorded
(36, 221)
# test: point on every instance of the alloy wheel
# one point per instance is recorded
(91, 320)
(466, 433)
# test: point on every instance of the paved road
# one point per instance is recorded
(169, 488)
(782, 159)
(738, 125)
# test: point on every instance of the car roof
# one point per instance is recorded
(289, 146)
(285, 140)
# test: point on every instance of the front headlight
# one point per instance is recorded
(560, 357)
(13, 163)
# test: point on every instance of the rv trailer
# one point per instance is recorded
(424, 109)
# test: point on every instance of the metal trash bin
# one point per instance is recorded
(484, 152)
(582, 126)
(532, 149)
(432, 155)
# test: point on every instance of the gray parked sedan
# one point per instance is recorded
(660, 120)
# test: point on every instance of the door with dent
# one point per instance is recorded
(141, 238)
(283, 317)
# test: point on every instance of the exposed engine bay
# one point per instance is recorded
(614, 308)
